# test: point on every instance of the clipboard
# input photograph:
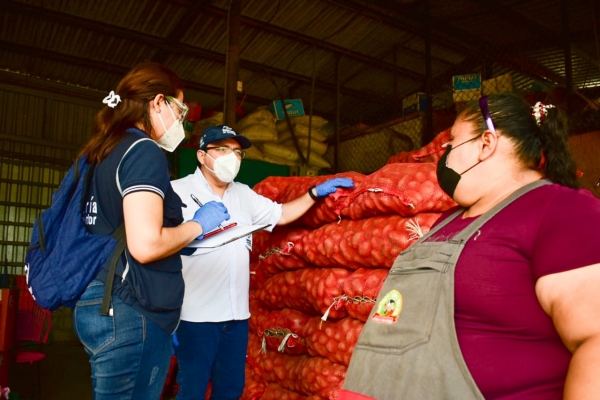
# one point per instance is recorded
(221, 238)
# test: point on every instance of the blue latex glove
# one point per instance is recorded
(330, 186)
(175, 342)
(210, 215)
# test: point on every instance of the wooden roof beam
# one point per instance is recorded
(162, 44)
(117, 70)
(320, 44)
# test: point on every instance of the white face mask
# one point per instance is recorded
(172, 136)
(226, 167)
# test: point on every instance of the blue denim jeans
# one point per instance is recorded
(129, 354)
(211, 351)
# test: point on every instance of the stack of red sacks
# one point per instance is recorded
(315, 282)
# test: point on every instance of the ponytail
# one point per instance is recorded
(559, 166)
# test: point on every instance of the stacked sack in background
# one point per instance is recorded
(200, 125)
(432, 152)
(309, 133)
(259, 127)
(315, 282)
(272, 140)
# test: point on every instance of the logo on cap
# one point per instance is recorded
(228, 130)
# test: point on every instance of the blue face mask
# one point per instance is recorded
(447, 177)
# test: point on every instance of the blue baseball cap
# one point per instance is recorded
(221, 132)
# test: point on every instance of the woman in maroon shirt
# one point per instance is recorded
(527, 309)
(524, 298)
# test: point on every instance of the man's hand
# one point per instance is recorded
(330, 186)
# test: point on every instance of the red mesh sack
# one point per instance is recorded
(276, 392)
(304, 374)
(258, 275)
(372, 242)
(361, 290)
(282, 331)
(254, 353)
(255, 385)
(431, 152)
(275, 187)
(275, 250)
(284, 189)
(260, 242)
(310, 290)
(258, 311)
(404, 189)
(334, 340)
(273, 391)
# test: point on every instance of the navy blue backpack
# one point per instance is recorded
(63, 257)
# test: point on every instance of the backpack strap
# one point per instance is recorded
(118, 234)
(89, 175)
(111, 262)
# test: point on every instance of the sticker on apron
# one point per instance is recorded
(389, 308)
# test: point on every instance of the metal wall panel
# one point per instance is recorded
(35, 114)
(40, 134)
(26, 188)
(21, 114)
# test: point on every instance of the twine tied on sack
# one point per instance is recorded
(336, 302)
(281, 347)
(284, 251)
(415, 229)
(277, 333)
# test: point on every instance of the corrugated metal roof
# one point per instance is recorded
(380, 46)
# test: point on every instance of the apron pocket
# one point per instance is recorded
(406, 306)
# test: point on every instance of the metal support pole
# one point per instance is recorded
(564, 7)
(336, 155)
(232, 64)
(428, 131)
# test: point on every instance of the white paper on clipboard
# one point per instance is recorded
(227, 236)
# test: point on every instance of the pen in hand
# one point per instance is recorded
(200, 205)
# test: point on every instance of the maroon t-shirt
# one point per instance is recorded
(509, 343)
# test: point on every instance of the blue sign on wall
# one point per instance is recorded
(293, 107)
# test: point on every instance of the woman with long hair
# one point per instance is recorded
(130, 349)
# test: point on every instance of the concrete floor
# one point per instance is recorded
(64, 374)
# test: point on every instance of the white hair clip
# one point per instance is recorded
(539, 111)
(112, 99)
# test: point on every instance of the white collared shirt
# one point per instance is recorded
(217, 282)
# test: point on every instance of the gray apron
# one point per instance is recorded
(408, 348)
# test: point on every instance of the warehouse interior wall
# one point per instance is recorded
(586, 153)
(41, 131)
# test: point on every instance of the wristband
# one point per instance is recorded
(310, 193)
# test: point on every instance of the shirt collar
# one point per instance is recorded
(204, 182)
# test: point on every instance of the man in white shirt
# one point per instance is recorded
(213, 332)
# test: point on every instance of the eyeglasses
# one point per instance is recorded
(224, 150)
(183, 109)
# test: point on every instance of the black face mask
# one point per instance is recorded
(447, 177)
